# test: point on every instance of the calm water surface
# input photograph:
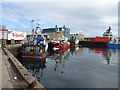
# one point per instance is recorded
(77, 68)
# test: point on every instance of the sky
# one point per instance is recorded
(90, 17)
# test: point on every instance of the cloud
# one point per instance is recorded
(93, 16)
(110, 20)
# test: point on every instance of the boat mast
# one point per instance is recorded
(38, 27)
(32, 37)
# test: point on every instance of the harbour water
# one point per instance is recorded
(77, 68)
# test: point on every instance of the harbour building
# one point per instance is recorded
(51, 32)
(78, 36)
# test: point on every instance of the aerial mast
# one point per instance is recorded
(32, 26)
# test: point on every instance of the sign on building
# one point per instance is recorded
(16, 35)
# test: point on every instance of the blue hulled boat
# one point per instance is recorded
(113, 45)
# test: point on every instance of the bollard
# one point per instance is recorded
(12, 41)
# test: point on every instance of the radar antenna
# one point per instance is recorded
(108, 30)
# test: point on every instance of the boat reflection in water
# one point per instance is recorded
(59, 56)
(106, 53)
(76, 50)
(35, 66)
(82, 67)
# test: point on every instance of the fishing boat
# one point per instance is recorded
(59, 42)
(74, 42)
(59, 45)
(34, 51)
(36, 47)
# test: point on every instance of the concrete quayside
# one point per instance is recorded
(14, 74)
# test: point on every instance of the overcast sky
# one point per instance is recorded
(90, 17)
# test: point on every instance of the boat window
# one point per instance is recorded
(37, 49)
(28, 48)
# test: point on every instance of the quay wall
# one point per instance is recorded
(14, 49)
(31, 81)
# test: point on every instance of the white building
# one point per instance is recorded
(78, 36)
